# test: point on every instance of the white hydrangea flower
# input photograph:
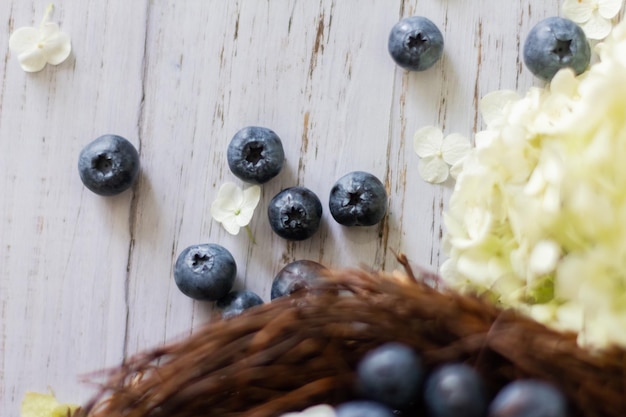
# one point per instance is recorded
(440, 156)
(321, 410)
(234, 207)
(594, 16)
(537, 218)
(36, 47)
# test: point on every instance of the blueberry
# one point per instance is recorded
(255, 154)
(358, 199)
(295, 276)
(205, 271)
(455, 390)
(415, 43)
(108, 165)
(391, 374)
(235, 302)
(528, 398)
(361, 408)
(555, 43)
(295, 213)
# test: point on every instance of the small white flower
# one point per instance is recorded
(593, 16)
(439, 154)
(234, 207)
(322, 410)
(36, 47)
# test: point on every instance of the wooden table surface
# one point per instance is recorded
(86, 281)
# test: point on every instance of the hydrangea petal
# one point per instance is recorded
(23, 39)
(454, 148)
(36, 404)
(321, 410)
(608, 9)
(433, 169)
(230, 224)
(251, 197)
(544, 257)
(597, 27)
(58, 48)
(244, 217)
(577, 10)
(32, 60)
(230, 195)
(427, 141)
(493, 104)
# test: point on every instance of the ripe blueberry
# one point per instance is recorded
(528, 398)
(295, 276)
(108, 165)
(255, 154)
(358, 199)
(453, 390)
(205, 271)
(295, 213)
(235, 302)
(555, 43)
(391, 374)
(415, 43)
(362, 408)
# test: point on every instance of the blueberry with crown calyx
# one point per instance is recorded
(295, 213)
(553, 44)
(358, 199)
(108, 165)
(255, 154)
(415, 43)
(205, 271)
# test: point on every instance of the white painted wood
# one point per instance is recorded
(86, 281)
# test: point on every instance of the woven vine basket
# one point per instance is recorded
(302, 350)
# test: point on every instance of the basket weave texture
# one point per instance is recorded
(302, 350)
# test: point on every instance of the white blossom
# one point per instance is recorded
(594, 16)
(234, 207)
(36, 47)
(321, 410)
(440, 156)
(537, 218)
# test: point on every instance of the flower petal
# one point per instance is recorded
(544, 257)
(577, 10)
(57, 48)
(230, 196)
(35, 404)
(23, 39)
(608, 9)
(492, 104)
(32, 60)
(427, 141)
(251, 197)
(230, 224)
(597, 27)
(433, 169)
(454, 148)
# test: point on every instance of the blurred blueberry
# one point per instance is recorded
(358, 199)
(415, 43)
(108, 165)
(235, 302)
(528, 398)
(555, 43)
(455, 390)
(295, 213)
(391, 374)
(361, 408)
(205, 271)
(255, 154)
(295, 276)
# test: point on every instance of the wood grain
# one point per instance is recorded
(86, 281)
